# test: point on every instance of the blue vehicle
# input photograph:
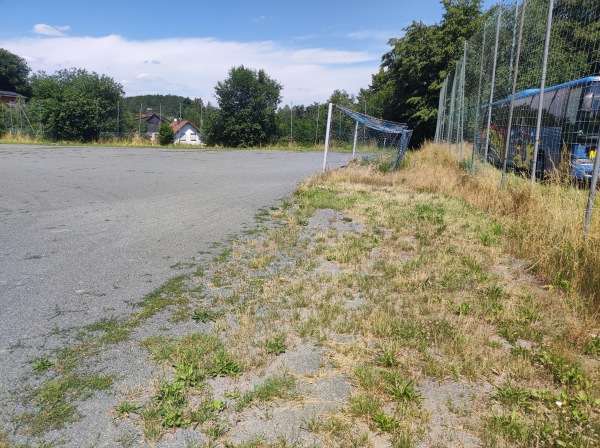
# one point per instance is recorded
(569, 134)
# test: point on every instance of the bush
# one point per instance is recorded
(166, 136)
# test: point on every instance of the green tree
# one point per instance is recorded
(406, 88)
(14, 73)
(342, 98)
(248, 102)
(166, 136)
(76, 105)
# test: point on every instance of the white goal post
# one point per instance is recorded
(360, 136)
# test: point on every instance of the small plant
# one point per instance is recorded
(463, 309)
(565, 372)
(187, 373)
(387, 359)
(364, 405)
(205, 315)
(385, 423)
(224, 364)
(513, 396)
(171, 400)
(276, 345)
(125, 408)
(42, 364)
(402, 391)
(207, 410)
(510, 425)
(592, 347)
(275, 387)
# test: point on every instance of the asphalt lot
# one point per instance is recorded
(86, 231)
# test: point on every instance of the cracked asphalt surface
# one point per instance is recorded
(85, 232)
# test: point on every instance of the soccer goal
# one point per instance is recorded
(351, 135)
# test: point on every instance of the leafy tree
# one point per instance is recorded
(14, 73)
(304, 122)
(167, 105)
(406, 88)
(341, 98)
(76, 105)
(166, 136)
(248, 101)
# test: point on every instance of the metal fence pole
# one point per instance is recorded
(326, 149)
(538, 126)
(590, 204)
(452, 111)
(441, 106)
(444, 116)
(494, 66)
(477, 105)
(462, 99)
(512, 98)
(354, 143)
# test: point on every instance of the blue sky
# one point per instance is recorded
(184, 48)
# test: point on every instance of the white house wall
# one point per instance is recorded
(188, 136)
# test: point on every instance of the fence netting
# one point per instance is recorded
(498, 82)
(356, 136)
(525, 96)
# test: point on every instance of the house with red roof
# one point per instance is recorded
(153, 121)
(186, 133)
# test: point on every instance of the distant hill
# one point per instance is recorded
(168, 105)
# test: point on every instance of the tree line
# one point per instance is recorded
(82, 106)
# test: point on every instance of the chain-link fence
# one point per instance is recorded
(525, 96)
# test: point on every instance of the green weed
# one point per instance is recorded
(205, 315)
(42, 364)
(125, 408)
(276, 345)
(275, 387)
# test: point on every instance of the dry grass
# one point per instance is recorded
(544, 224)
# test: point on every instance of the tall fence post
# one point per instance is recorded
(441, 110)
(462, 100)
(354, 143)
(326, 149)
(538, 126)
(494, 66)
(590, 204)
(452, 111)
(512, 98)
(477, 105)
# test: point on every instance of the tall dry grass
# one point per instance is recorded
(543, 224)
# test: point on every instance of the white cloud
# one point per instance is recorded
(192, 67)
(49, 30)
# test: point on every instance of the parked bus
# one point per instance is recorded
(569, 135)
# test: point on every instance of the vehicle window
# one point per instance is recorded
(557, 106)
(573, 105)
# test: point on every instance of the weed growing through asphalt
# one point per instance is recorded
(274, 387)
(42, 364)
(276, 345)
(125, 408)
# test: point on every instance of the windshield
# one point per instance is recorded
(588, 126)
